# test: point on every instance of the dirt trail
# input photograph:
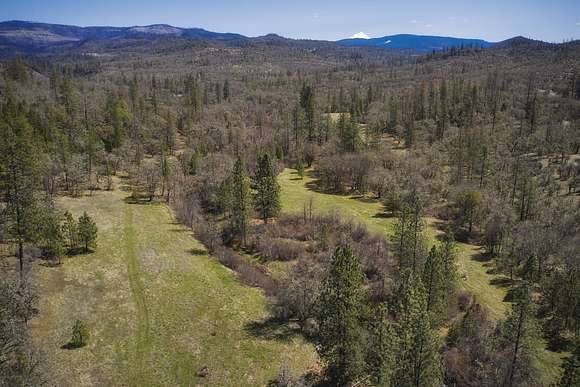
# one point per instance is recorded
(142, 333)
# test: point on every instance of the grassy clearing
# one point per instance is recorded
(157, 307)
(486, 287)
(295, 194)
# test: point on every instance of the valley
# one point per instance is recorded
(184, 207)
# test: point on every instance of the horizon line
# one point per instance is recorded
(563, 40)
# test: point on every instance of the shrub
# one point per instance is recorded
(392, 200)
(300, 168)
(297, 293)
(80, 334)
(280, 249)
(210, 234)
(247, 272)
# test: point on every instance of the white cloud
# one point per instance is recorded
(360, 35)
(413, 21)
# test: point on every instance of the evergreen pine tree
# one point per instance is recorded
(381, 348)
(70, 232)
(19, 176)
(519, 333)
(434, 282)
(409, 239)
(240, 200)
(308, 104)
(165, 172)
(226, 90)
(449, 255)
(348, 131)
(52, 236)
(87, 232)
(571, 369)
(267, 189)
(409, 133)
(340, 302)
(225, 196)
(300, 168)
(418, 361)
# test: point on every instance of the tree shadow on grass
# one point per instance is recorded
(49, 263)
(273, 329)
(503, 282)
(510, 295)
(180, 227)
(492, 269)
(196, 251)
(363, 199)
(140, 200)
(384, 215)
(79, 251)
(313, 186)
(69, 346)
(482, 257)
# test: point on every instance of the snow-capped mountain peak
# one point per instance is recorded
(360, 35)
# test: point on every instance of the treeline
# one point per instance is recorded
(33, 227)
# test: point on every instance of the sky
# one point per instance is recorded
(493, 20)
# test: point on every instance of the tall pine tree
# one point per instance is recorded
(241, 205)
(340, 303)
(267, 189)
(19, 177)
(449, 255)
(87, 232)
(418, 361)
(571, 369)
(382, 346)
(434, 281)
(409, 239)
(519, 334)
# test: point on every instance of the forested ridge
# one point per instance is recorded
(484, 141)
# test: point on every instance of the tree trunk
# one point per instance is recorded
(516, 348)
(21, 258)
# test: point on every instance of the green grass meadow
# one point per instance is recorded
(158, 308)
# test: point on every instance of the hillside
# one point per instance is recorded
(419, 43)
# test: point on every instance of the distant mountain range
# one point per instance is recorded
(415, 42)
(22, 32)
(30, 38)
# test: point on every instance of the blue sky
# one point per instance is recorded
(493, 20)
